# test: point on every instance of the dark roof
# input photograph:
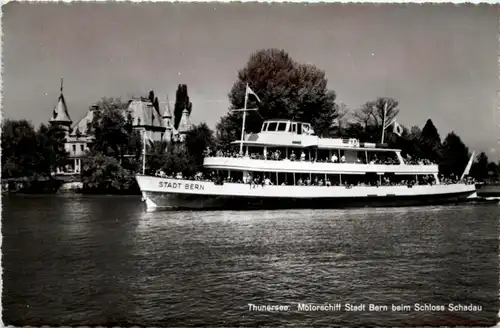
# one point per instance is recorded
(60, 113)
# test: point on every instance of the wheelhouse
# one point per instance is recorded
(287, 126)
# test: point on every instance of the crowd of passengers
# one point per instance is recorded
(219, 179)
(388, 159)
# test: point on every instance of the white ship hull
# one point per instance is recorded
(165, 193)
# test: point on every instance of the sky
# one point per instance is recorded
(438, 61)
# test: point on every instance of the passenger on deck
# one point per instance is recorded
(321, 183)
(293, 156)
(267, 181)
(328, 183)
(303, 156)
(342, 159)
(335, 159)
(300, 182)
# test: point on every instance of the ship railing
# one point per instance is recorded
(321, 183)
(379, 162)
(347, 186)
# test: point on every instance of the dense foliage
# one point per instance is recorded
(112, 129)
(286, 88)
(455, 155)
(181, 157)
(114, 156)
(105, 174)
(482, 169)
(452, 154)
(30, 153)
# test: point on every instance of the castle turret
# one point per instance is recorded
(184, 124)
(60, 116)
(167, 122)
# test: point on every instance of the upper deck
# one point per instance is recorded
(293, 134)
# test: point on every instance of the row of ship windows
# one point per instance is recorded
(282, 126)
(278, 178)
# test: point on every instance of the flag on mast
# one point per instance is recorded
(398, 129)
(250, 92)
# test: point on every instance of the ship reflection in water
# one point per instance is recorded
(104, 261)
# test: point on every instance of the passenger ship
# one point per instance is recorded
(286, 165)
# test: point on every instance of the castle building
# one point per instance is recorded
(156, 125)
(60, 119)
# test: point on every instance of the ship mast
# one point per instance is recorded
(144, 151)
(384, 125)
(244, 110)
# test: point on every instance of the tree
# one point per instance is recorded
(178, 160)
(371, 117)
(372, 112)
(479, 169)
(455, 156)
(154, 101)
(415, 133)
(493, 170)
(105, 168)
(104, 174)
(181, 103)
(186, 157)
(228, 129)
(30, 153)
(430, 141)
(157, 155)
(341, 122)
(198, 138)
(287, 89)
(19, 149)
(51, 151)
(112, 128)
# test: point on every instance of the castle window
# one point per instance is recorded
(82, 147)
(74, 148)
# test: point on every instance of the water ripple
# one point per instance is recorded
(104, 261)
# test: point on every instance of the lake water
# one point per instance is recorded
(85, 260)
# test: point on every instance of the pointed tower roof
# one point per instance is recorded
(60, 114)
(167, 113)
(184, 124)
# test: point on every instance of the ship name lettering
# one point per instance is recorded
(166, 184)
(194, 186)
